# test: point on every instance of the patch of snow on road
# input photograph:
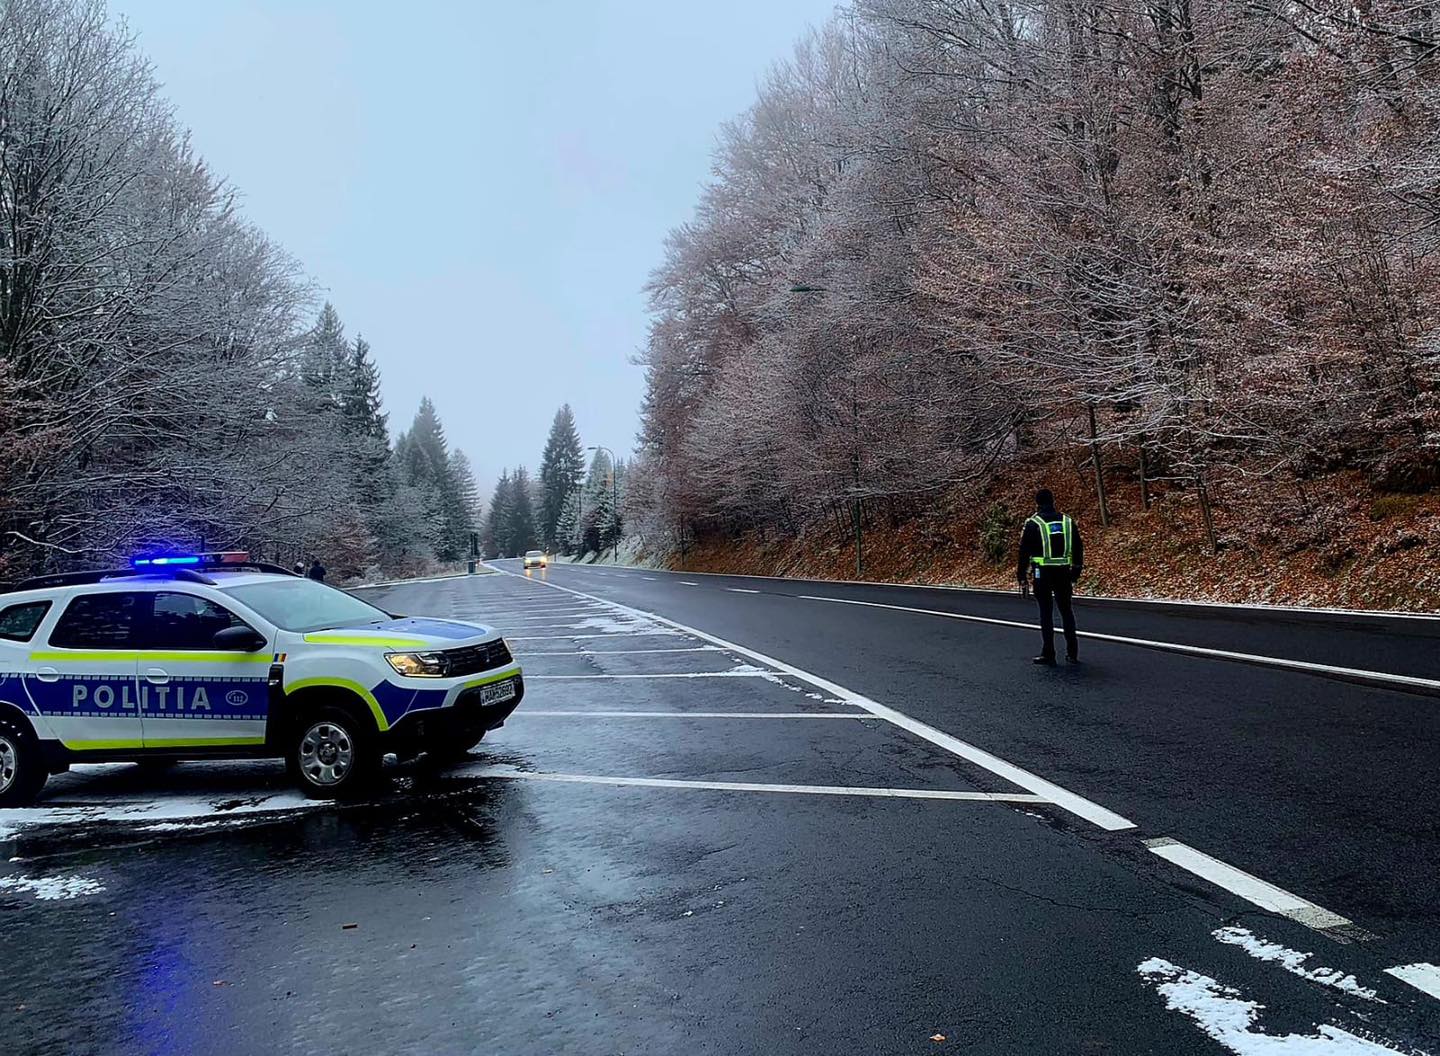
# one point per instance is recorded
(1226, 1016)
(180, 811)
(52, 888)
(1293, 961)
(627, 625)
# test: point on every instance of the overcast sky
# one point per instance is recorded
(480, 187)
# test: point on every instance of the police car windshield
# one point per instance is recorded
(304, 605)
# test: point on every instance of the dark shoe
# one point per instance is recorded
(1047, 660)
(1072, 659)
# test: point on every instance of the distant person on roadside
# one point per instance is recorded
(1052, 556)
(298, 568)
(317, 570)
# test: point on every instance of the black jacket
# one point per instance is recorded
(1031, 545)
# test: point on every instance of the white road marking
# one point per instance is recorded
(671, 674)
(1251, 888)
(1422, 976)
(621, 652)
(1293, 961)
(741, 590)
(652, 579)
(576, 637)
(1048, 791)
(745, 786)
(1225, 1015)
(687, 583)
(526, 713)
(1351, 674)
(962, 589)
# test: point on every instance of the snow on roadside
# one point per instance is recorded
(1293, 961)
(165, 813)
(52, 888)
(1226, 1016)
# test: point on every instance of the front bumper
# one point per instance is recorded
(464, 717)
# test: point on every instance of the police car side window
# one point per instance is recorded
(18, 623)
(187, 621)
(98, 621)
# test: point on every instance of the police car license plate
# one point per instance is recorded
(498, 693)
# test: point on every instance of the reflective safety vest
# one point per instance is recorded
(1056, 544)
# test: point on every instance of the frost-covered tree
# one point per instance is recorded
(562, 467)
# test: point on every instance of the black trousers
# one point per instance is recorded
(1059, 591)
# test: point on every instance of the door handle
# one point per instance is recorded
(156, 676)
(47, 674)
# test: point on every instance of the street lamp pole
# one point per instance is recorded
(614, 491)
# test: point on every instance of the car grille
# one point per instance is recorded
(474, 658)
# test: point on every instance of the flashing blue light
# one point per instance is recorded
(167, 560)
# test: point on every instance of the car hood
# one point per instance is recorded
(406, 633)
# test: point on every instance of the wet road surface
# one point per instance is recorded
(782, 826)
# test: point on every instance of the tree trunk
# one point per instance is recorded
(1206, 513)
(1144, 476)
(1099, 469)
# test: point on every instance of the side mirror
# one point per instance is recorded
(239, 640)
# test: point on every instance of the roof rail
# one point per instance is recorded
(78, 579)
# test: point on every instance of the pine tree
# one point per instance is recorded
(425, 462)
(562, 467)
(325, 360)
(466, 493)
(494, 533)
(520, 527)
(599, 526)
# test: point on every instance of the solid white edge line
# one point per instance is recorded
(1052, 793)
(1251, 888)
(525, 713)
(1349, 673)
(746, 786)
(1423, 977)
(577, 637)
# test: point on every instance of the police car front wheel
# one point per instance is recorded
(331, 755)
(22, 770)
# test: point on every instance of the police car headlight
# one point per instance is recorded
(419, 665)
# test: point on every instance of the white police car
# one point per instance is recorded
(216, 656)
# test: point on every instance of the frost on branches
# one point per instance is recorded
(1190, 240)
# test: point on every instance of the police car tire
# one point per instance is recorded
(30, 770)
(366, 759)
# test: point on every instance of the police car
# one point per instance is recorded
(217, 656)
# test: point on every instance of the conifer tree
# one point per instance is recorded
(562, 466)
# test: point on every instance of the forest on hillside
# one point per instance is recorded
(164, 380)
(1185, 248)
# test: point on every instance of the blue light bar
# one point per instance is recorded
(165, 560)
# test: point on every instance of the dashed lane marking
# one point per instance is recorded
(745, 786)
(1422, 976)
(1048, 791)
(687, 583)
(1344, 674)
(1251, 888)
(741, 590)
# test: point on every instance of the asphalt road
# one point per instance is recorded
(741, 816)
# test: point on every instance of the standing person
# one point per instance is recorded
(1052, 552)
(317, 570)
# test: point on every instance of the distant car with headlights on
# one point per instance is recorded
(190, 656)
(536, 559)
